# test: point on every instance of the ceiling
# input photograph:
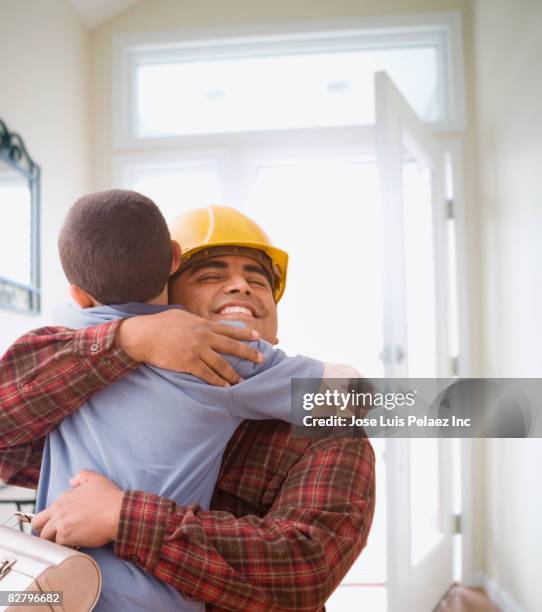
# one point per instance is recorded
(95, 12)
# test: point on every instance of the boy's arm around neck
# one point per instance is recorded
(266, 392)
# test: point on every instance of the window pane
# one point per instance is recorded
(15, 229)
(327, 215)
(419, 270)
(176, 188)
(279, 92)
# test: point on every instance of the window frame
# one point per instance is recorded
(443, 30)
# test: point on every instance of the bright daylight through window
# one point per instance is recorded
(305, 90)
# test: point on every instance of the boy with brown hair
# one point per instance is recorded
(154, 430)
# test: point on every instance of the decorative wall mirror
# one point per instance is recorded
(19, 225)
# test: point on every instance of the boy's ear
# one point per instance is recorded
(84, 299)
(175, 257)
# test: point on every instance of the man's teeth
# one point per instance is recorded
(236, 310)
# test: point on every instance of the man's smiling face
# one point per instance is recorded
(228, 287)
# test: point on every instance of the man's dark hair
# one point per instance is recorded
(115, 245)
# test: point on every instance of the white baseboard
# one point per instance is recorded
(500, 597)
(497, 595)
(476, 580)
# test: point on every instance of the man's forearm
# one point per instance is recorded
(293, 558)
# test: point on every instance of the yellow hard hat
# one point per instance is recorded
(215, 226)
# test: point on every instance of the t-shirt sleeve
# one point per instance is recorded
(266, 391)
(246, 369)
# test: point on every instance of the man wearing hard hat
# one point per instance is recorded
(225, 230)
(225, 255)
(289, 515)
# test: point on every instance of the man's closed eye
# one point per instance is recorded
(209, 277)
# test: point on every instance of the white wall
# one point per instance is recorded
(509, 99)
(44, 89)
(508, 49)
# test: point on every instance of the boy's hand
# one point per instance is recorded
(181, 341)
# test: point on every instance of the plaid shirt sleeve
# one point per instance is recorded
(44, 376)
(290, 559)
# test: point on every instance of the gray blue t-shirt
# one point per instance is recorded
(162, 432)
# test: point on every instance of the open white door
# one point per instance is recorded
(419, 482)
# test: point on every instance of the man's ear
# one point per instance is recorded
(176, 253)
(81, 297)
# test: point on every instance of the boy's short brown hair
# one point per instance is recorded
(115, 245)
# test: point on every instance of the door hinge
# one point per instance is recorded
(456, 523)
(454, 366)
(450, 209)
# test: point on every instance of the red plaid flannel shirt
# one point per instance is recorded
(288, 517)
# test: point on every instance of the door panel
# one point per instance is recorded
(419, 482)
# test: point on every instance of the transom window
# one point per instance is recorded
(178, 87)
(316, 90)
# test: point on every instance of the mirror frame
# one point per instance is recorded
(14, 153)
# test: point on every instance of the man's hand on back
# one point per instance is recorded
(88, 515)
(181, 341)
